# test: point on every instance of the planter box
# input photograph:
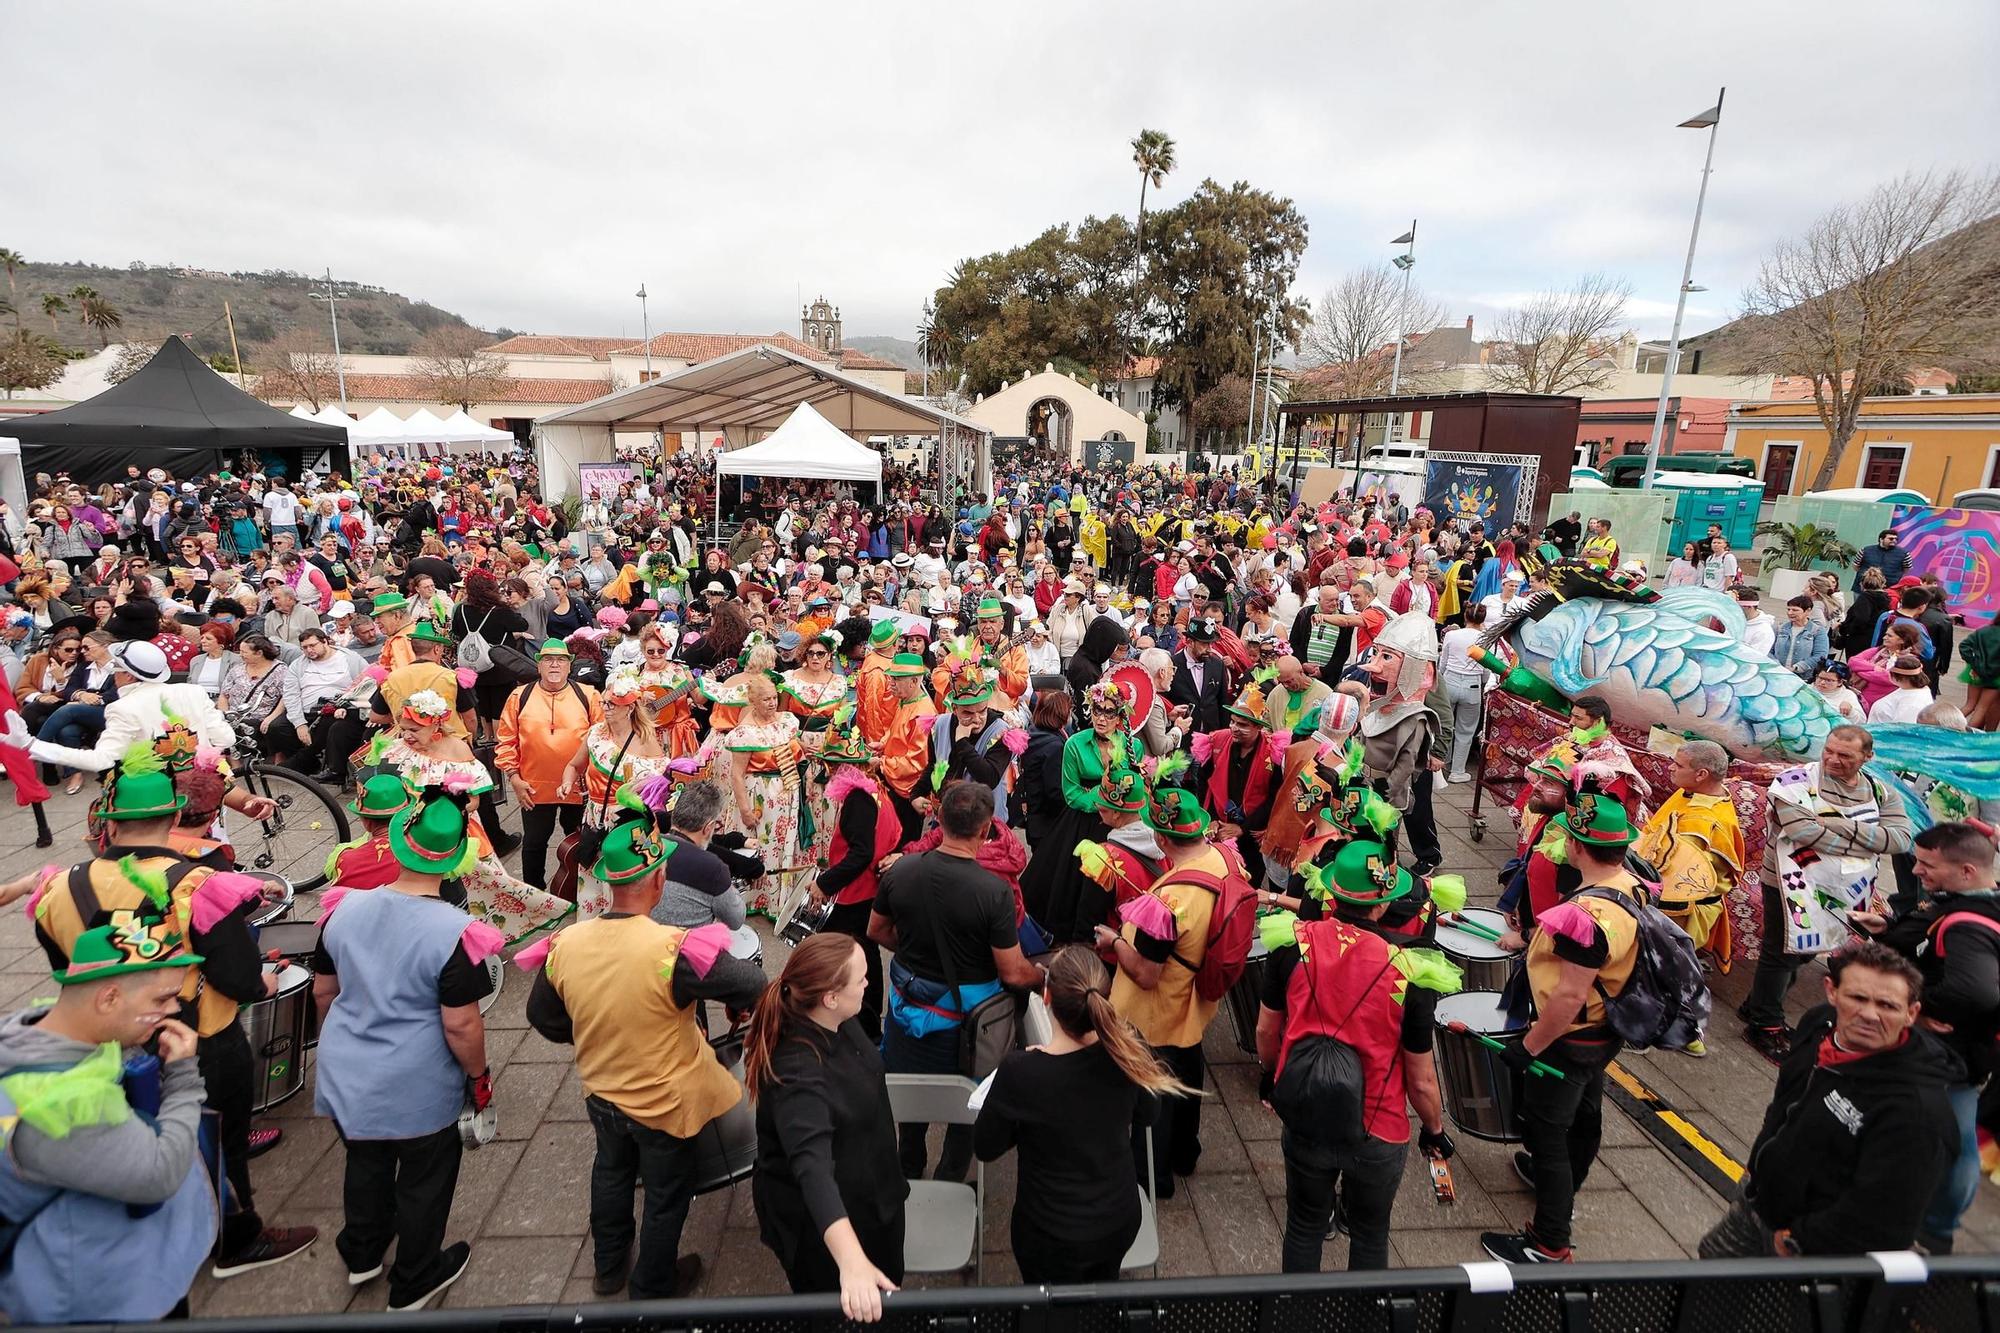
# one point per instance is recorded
(1788, 583)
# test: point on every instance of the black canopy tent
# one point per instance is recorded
(174, 413)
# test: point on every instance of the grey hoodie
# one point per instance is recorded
(132, 1162)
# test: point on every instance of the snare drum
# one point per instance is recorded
(1482, 1093)
(805, 922)
(277, 1028)
(744, 944)
(277, 894)
(295, 942)
(1487, 966)
(1246, 995)
(725, 1149)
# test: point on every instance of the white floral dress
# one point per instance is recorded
(774, 783)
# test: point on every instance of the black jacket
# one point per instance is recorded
(1207, 702)
(1961, 978)
(1849, 1155)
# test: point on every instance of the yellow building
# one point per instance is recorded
(1938, 445)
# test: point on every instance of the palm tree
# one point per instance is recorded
(53, 305)
(1153, 154)
(11, 260)
(78, 296)
(101, 316)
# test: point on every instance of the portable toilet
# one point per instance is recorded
(1702, 498)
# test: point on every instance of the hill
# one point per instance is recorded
(1734, 348)
(900, 350)
(160, 299)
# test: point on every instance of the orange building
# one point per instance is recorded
(1938, 445)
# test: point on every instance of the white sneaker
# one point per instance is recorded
(1458, 777)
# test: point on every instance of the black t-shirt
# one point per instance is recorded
(937, 895)
(443, 573)
(1071, 1118)
(336, 571)
(1419, 1005)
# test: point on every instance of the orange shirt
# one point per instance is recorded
(906, 753)
(875, 702)
(539, 733)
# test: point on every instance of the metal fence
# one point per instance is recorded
(1890, 1293)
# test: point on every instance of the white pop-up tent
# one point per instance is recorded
(807, 446)
(460, 428)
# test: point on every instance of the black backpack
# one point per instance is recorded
(1665, 1001)
(1322, 1093)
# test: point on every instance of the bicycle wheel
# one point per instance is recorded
(296, 840)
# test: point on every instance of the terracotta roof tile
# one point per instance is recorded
(550, 344)
(695, 348)
(853, 360)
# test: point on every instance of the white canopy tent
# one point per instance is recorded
(806, 446)
(462, 429)
(754, 389)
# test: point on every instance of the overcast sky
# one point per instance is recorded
(529, 165)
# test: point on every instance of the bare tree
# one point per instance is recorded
(300, 366)
(1349, 346)
(455, 367)
(1560, 342)
(1875, 289)
(131, 359)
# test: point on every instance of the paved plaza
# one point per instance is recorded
(522, 1201)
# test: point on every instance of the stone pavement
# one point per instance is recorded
(522, 1201)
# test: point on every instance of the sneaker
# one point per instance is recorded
(1521, 1247)
(1774, 1044)
(273, 1245)
(262, 1141)
(1524, 1167)
(1696, 1048)
(355, 1279)
(1424, 865)
(687, 1272)
(452, 1264)
(1458, 777)
(1337, 1224)
(610, 1284)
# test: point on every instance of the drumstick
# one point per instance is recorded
(1536, 1067)
(1471, 927)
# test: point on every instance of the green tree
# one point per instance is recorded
(1221, 260)
(1153, 154)
(53, 305)
(100, 316)
(11, 260)
(29, 361)
(1059, 298)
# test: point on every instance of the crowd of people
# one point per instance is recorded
(1098, 737)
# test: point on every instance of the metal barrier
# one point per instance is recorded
(1890, 1293)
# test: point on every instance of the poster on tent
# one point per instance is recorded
(1961, 547)
(603, 479)
(1479, 488)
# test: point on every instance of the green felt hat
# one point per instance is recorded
(428, 631)
(1121, 792)
(884, 632)
(1249, 705)
(385, 795)
(1366, 875)
(630, 852)
(129, 943)
(139, 786)
(553, 648)
(432, 835)
(1175, 813)
(989, 608)
(1596, 817)
(970, 686)
(845, 744)
(906, 664)
(388, 601)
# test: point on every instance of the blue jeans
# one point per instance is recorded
(73, 725)
(1960, 1185)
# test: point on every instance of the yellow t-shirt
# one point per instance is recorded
(1172, 1013)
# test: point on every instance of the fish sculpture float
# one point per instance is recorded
(1657, 662)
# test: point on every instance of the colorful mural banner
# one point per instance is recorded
(1475, 490)
(603, 479)
(1961, 547)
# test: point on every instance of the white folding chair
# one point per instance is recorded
(1038, 1025)
(943, 1222)
(1145, 1251)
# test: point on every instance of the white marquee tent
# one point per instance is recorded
(807, 445)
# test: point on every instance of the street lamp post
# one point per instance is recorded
(332, 296)
(1708, 120)
(1405, 261)
(645, 329)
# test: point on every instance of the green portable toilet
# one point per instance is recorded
(1702, 498)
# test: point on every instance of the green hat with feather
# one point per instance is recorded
(128, 943)
(139, 786)
(432, 835)
(633, 849)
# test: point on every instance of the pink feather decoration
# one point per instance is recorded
(531, 958)
(1150, 916)
(467, 678)
(685, 764)
(457, 783)
(481, 941)
(1203, 746)
(207, 756)
(220, 894)
(849, 778)
(377, 673)
(1275, 746)
(49, 874)
(330, 899)
(701, 946)
(1571, 922)
(655, 790)
(1016, 741)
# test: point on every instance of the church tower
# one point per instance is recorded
(819, 326)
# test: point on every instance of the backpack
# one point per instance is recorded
(473, 650)
(1321, 1095)
(1665, 1000)
(1232, 923)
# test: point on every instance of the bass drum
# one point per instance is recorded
(1245, 996)
(277, 1027)
(726, 1149)
(1486, 965)
(1482, 1094)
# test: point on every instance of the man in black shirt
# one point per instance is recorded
(957, 942)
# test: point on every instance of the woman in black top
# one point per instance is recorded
(1102, 640)
(1069, 1107)
(485, 609)
(829, 1186)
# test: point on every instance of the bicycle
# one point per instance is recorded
(302, 832)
